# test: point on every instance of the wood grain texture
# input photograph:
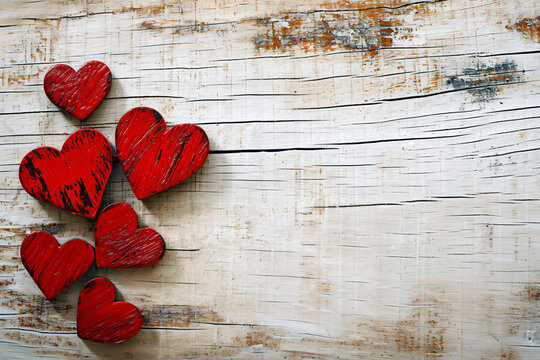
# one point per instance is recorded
(372, 189)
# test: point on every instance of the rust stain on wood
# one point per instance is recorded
(151, 10)
(148, 24)
(528, 27)
(259, 338)
(347, 26)
(38, 340)
(21, 79)
(513, 330)
(369, 31)
(368, 4)
(422, 332)
(530, 293)
(509, 354)
(47, 324)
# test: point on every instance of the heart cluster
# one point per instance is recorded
(74, 179)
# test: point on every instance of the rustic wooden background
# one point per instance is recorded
(372, 189)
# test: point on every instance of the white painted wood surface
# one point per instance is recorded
(372, 191)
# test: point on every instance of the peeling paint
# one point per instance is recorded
(484, 82)
(369, 31)
(347, 27)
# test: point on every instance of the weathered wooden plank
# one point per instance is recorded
(371, 188)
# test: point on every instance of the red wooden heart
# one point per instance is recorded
(155, 158)
(101, 319)
(119, 244)
(54, 267)
(78, 93)
(73, 179)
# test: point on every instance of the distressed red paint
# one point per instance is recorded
(78, 93)
(101, 319)
(155, 158)
(74, 178)
(119, 244)
(54, 267)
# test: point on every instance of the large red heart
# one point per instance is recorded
(155, 158)
(73, 179)
(101, 319)
(78, 93)
(119, 244)
(54, 267)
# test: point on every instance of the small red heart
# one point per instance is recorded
(78, 93)
(74, 178)
(119, 244)
(154, 158)
(54, 267)
(101, 319)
